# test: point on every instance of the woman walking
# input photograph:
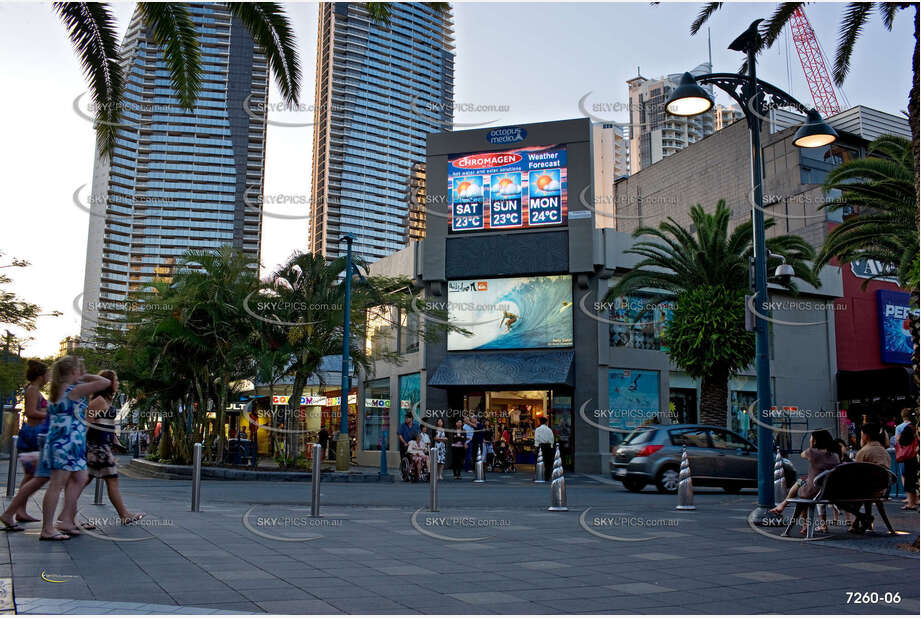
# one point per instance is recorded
(458, 448)
(441, 443)
(63, 456)
(906, 453)
(36, 424)
(100, 437)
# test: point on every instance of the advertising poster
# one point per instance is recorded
(513, 313)
(633, 397)
(894, 327)
(520, 188)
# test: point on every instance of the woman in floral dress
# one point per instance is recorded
(63, 456)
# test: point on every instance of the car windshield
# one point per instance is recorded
(640, 436)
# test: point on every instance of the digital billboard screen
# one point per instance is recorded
(520, 188)
(512, 313)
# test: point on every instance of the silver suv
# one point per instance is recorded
(717, 457)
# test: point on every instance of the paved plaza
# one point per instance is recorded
(491, 548)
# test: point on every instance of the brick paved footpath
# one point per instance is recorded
(492, 548)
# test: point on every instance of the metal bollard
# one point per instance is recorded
(557, 484)
(780, 483)
(480, 467)
(196, 478)
(433, 480)
(97, 494)
(315, 483)
(685, 486)
(539, 469)
(14, 461)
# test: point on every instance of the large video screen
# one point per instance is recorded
(520, 188)
(513, 313)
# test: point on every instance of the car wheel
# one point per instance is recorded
(732, 488)
(667, 480)
(634, 486)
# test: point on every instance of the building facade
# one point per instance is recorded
(541, 341)
(610, 161)
(872, 374)
(380, 90)
(178, 179)
(654, 134)
(725, 115)
(415, 203)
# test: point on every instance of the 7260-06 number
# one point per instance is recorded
(873, 597)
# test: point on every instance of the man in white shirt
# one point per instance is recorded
(543, 439)
(468, 429)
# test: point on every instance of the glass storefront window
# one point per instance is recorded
(739, 419)
(410, 389)
(377, 413)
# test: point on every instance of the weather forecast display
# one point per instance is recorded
(525, 187)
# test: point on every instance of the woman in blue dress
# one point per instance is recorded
(63, 456)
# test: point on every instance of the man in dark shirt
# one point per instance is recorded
(408, 430)
(479, 434)
(323, 441)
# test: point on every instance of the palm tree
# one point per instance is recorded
(881, 189)
(707, 274)
(92, 32)
(856, 15)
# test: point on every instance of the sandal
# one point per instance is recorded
(60, 536)
(908, 508)
(12, 527)
(68, 531)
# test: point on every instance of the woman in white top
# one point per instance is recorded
(417, 452)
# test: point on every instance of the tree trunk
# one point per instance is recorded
(714, 397)
(913, 119)
(294, 408)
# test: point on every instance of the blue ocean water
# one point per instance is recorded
(544, 309)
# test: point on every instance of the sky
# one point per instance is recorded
(535, 61)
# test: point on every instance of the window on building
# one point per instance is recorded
(376, 413)
(391, 329)
(638, 323)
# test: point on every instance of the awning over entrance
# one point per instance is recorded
(889, 382)
(535, 367)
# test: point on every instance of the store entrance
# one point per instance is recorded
(514, 414)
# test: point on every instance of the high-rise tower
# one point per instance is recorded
(178, 179)
(381, 88)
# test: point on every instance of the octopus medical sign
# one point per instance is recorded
(520, 188)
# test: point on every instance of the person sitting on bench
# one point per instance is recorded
(822, 455)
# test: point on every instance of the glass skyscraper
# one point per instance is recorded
(178, 179)
(381, 88)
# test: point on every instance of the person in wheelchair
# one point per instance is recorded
(415, 451)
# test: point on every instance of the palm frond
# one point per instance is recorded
(705, 14)
(92, 31)
(379, 12)
(271, 30)
(174, 32)
(773, 27)
(856, 15)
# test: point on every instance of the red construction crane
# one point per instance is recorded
(810, 56)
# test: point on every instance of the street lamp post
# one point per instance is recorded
(343, 445)
(756, 98)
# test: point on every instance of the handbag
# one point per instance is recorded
(905, 453)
